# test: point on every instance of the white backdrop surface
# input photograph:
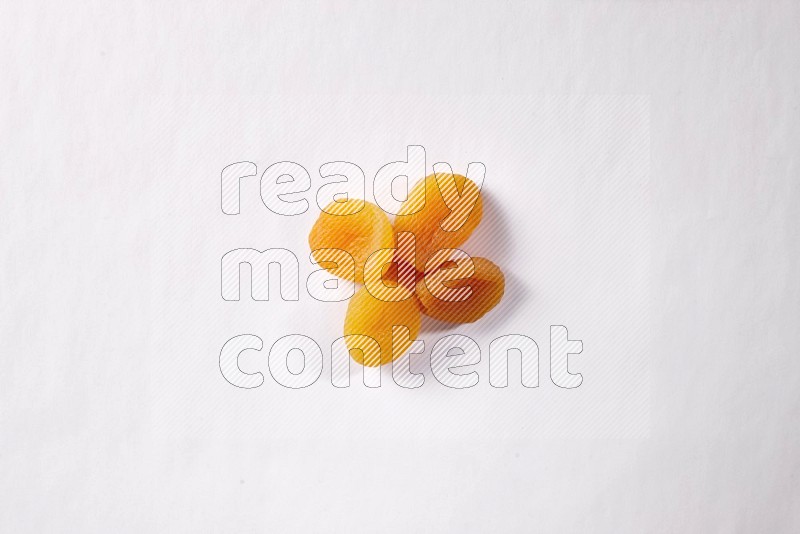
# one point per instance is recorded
(642, 189)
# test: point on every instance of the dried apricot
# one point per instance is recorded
(453, 294)
(426, 214)
(368, 316)
(359, 233)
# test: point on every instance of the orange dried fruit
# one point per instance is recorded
(426, 215)
(359, 232)
(369, 316)
(443, 293)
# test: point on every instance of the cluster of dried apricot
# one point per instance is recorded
(409, 267)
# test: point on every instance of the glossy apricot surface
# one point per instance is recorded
(425, 212)
(369, 316)
(487, 285)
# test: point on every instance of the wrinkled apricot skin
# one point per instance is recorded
(359, 234)
(375, 318)
(426, 224)
(487, 283)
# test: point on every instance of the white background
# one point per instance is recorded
(116, 121)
